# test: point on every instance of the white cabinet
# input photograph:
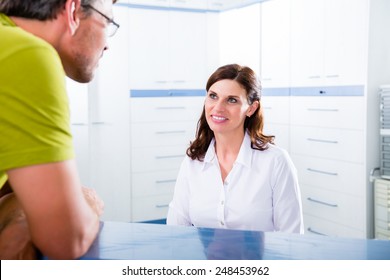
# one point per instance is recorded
(337, 63)
(275, 44)
(167, 49)
(327, 40)
(161, 130)
(328, 147)
(239, 37)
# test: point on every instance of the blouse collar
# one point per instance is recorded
(244, 156)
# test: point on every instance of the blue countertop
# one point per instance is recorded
(141, 241)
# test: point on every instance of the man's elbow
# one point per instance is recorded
(67, 248)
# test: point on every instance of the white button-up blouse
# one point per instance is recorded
(260, 193)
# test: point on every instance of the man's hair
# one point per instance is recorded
(36, 9)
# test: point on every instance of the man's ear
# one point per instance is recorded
(72, 8)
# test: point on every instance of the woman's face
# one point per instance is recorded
(226, 107)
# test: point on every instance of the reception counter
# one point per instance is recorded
(141, 241)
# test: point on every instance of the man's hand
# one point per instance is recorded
(93, 200)
(15, 239)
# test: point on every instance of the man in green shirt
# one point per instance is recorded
(41, 42)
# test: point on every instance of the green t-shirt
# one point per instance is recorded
(34, 109)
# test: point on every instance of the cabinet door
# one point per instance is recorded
(240, 37)
(275, 43)
(167, 49)
(307, 42)
(148, 48)
(187, 50)
(328, 42)
(344, 41)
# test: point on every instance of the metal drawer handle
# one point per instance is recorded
(172, 156)
(170, 132)
(322, 110)
(161, 205)
(165, 181)
(309, 229)
(322, 202)
(322, 140)
(322, 172)
(314, 77)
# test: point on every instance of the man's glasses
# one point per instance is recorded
(112, 25)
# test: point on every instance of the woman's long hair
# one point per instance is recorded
(254, 124)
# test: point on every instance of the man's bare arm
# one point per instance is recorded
(62, 223)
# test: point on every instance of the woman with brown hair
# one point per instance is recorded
(233, 175)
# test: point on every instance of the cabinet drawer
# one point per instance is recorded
(336, 112)
(151, 109)
(344, 177)
(157, 158)
(317, 226)
(339, 144)
(276, 109)
(150, 208)
(281, 133)
(153, 183)
(335, 207)
(162, 134)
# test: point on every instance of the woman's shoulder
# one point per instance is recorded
(273, 152)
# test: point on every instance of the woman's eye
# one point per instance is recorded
(232, 100)
(212, 95)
